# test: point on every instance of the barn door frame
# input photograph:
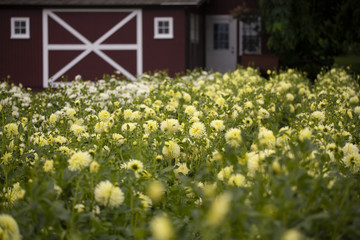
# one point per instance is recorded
(87, 46)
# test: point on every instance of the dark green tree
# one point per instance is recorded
(308, 33)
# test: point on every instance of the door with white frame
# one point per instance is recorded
(220, 43)
(71, 42)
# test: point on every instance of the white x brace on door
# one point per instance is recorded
(86, 47)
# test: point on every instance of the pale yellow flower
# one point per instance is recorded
(11, 129)
(104, 115)
(14, 193)
(146, 201)
(197, 130)
(225, 173)
(220, 101)
(219, 209)
(161, 228)
(128, 127)
(292, 234)
(290, 97)
(357, 110)
(48, 165)
(263, 113)
(354, 99)
(248, 121)
(233, 137)
(108, 195)
(127, 114)
(171, 150)
(350, 148)
(9, 229)
(216, 156)
(65, 150)
(77, 129)
(248, 105)
(135, 165)
(170, 126)
(135, 116)
(186, 97)
(155, 190)
(253, 162)
(118, 138)
(94, 167)
(266, 138)
(237, 180)
(79, 161)
(54, 118)
(70, 113)
(305, 134)
(352, 161)
(318, 116)
(101, 127)
(79, 207)
(6, 158)
(190, 110)
(217, 125)
(182, 168)
(60, 139)
(150, 126)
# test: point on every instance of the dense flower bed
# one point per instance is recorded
(202, 156)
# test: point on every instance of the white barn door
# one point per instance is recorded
(82, 46)
(220, 43)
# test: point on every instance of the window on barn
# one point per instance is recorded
(194, 28)
(250, 38)
(163, 28)
(221, 36)
(20, 28)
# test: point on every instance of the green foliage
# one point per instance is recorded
(307, 34)
(293, 171)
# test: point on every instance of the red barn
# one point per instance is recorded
(45, 41)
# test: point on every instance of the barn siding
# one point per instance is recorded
(164, 54)
(21, 58)
(224, 7)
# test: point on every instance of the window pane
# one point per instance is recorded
(163, 27)
(22, 30)
(251, 43)
(221, 36)
(17, 24)
(22, 24)
(17, 30)
(251, 40)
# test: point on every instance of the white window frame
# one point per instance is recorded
(241, 27)
(170, 34)
(15, 35)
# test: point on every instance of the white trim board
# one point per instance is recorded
(87, 47)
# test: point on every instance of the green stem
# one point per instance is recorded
(132, 211)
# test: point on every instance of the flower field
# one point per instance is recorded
(200, 156)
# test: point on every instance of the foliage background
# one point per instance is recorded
(292, 174)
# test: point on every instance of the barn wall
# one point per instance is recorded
(21, 59)
(224, 7)
(164, 54)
